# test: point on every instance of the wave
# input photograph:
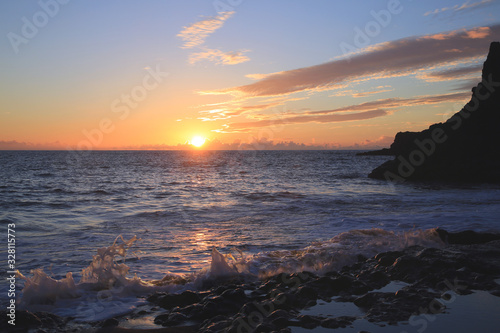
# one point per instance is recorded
(273, 196)
(108, 272)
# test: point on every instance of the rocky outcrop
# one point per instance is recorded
(464, 148)
(428, 278)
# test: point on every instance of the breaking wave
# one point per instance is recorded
(106, 288)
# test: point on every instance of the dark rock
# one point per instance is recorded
(337, 322)
(24, 320)
(381, 152)
(463, 149)
(342, 283)
(236, 295)
(307, 293)
(466, 237)
(358, 287)
(169, 301)
(217, 326)
(111, 322)
(370, 299)
(264, 328)
(161, 319)
(27, 321)
(175, 318)
(387, 258)
(306, 321)
(279, 318)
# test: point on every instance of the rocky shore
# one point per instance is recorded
(468, 261)
(464, 148)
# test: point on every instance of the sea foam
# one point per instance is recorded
(105, 290)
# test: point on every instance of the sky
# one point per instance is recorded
(242, 74)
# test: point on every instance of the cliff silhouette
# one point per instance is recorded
(464, 148)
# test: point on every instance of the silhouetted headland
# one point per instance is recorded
(464, 148)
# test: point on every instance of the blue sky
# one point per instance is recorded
(63, 85)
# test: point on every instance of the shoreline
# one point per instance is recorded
(427, 278)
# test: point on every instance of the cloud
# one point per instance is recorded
(396, 58)
(231, 109)
(381, 142)
(219, 57)
(460, 8)
(363, 111)
(196, 33)
(225, 112)
(453, 74)
(328, 118)
(16, 145)
(390, 103)
(381, 89)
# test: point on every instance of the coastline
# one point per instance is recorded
(389, 289)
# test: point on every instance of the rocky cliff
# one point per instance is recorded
(464, 148)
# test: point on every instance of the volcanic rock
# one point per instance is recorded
(464, 148)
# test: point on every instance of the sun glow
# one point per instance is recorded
(198, 141)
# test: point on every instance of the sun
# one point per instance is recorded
(198, 141)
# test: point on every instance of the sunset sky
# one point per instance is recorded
(241, 73)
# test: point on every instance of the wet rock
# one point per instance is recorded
(24, 320)
(368, 300)
(306, 321)
(235, 295)
(111, 322)
(264, 328)
(274, 304)
(387, 258)
(160, 319)
(170, 319)
(216, 326)
(307, 293)
(358, 287)
(338, 322)
(342, 283)
(169, 301)
(27, 321)
(466, 237)
(279, 318)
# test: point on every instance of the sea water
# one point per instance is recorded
(119, 225)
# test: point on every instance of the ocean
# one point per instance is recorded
(197, 214)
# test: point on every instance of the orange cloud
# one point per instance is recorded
(355, 112)
(481, 32)
(328, 118)
(401, 57)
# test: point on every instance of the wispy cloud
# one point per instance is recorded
(219, 57)
(355, 112)
(460, 8)
(378, 90)
(397, 58)
(390, 103)
(230, 109)
(196, 33)
(329, 118)
(194, 36)
(453, 74)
